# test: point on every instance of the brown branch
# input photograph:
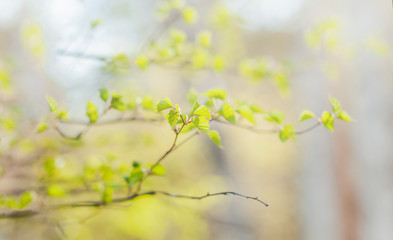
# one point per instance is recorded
(31, 212)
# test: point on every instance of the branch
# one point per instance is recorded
(31, 212)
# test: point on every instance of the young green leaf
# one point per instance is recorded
(172, 118)
(328, 121)
(142, 62)
(117, 102)
(62, 114)
(91, 112)
(135, 176)
(190, 15)
(55, 190)
(164, 104)
(148, 103)
(228, 113)
(275, 116)
(256, 109)
(216, 93)
(288, 131)
(306, 114)
(107, 195)
(203, 111)
(104, 94)
(25, 199)
(246, 112)
(202, 124)
(52, 104)
(42, 127)
(218, 63)
(336, 106)
(204, 38)
(158, 170)
(343, 115)
(215, 136)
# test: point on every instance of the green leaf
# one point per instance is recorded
(178, 36)
(25, 199)
(215, 136)
(158, 170)
(275, 116)
(228, 113)
(164, 104)
(52, 104)
(288, 131)
(246, 112)
(202, 124)
(203, 111)
(148, 103)
(62, 114)
(142, 62)
(216, 93)
(192, 96)
(187, 128)
(55, 190)
(91, 112)
(42, 127)
(256, 109)
(328, 121)
(107, 195)
(343, 115)
(336, 106)
(135, 176)
(204, 38)
(117, 102)
(104, 94)
(190, 15)
(218, 63)
(306, 114)
(172, 118)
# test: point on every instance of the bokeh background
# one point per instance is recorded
(322, 186)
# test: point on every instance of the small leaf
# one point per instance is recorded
(218, 63)
(142, 61)
(288, 131)
(215, 136)
(117, 102)
(42, 127)
(256, 109)
(246, 112)
(228, 113)
(164, 104)
(148, 103)
(328, 121)
(172, 118)
(104, 94)
(190, 15)
(178, 36)
(158, 170)
(335, 104)
(275, 116)
(187, 128)
(25, 199)
(52, 104)
(135, 176)
(343, 115)
(91, 112)
(203, 111)
(55, 190)
(62, 114)
(204, 38)
(107, 195)
(306, 114)
(202, 124)
(216, 93)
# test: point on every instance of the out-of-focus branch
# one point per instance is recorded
(31, 212)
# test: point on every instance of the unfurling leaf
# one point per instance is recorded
(117, 102)
(228, 113)
(246, 112)
(216, 93)
(328, 121)
(203, 111)
(202, 124)
(142, 62)
(215, 136)
(336, 106)
(91, 112)
(52, 104)
(275, 116)
(306, 114)
(164, 104)
(288, 131)
(158, 170)
(343, 115)
(172, 118)
(104, 94)
(42, 127)
(148, 103)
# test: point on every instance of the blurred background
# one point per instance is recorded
(322, 186)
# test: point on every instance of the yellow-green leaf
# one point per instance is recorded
(246, 112)
(216, 93)
(202, 124)
(164, 104)
(91, 112)
(52, 104)
(203, 111)
(328, 121)
(306, 114)
(215, 136)
(275, 116)
(343, 115)
(228, 113)
(335, 104)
